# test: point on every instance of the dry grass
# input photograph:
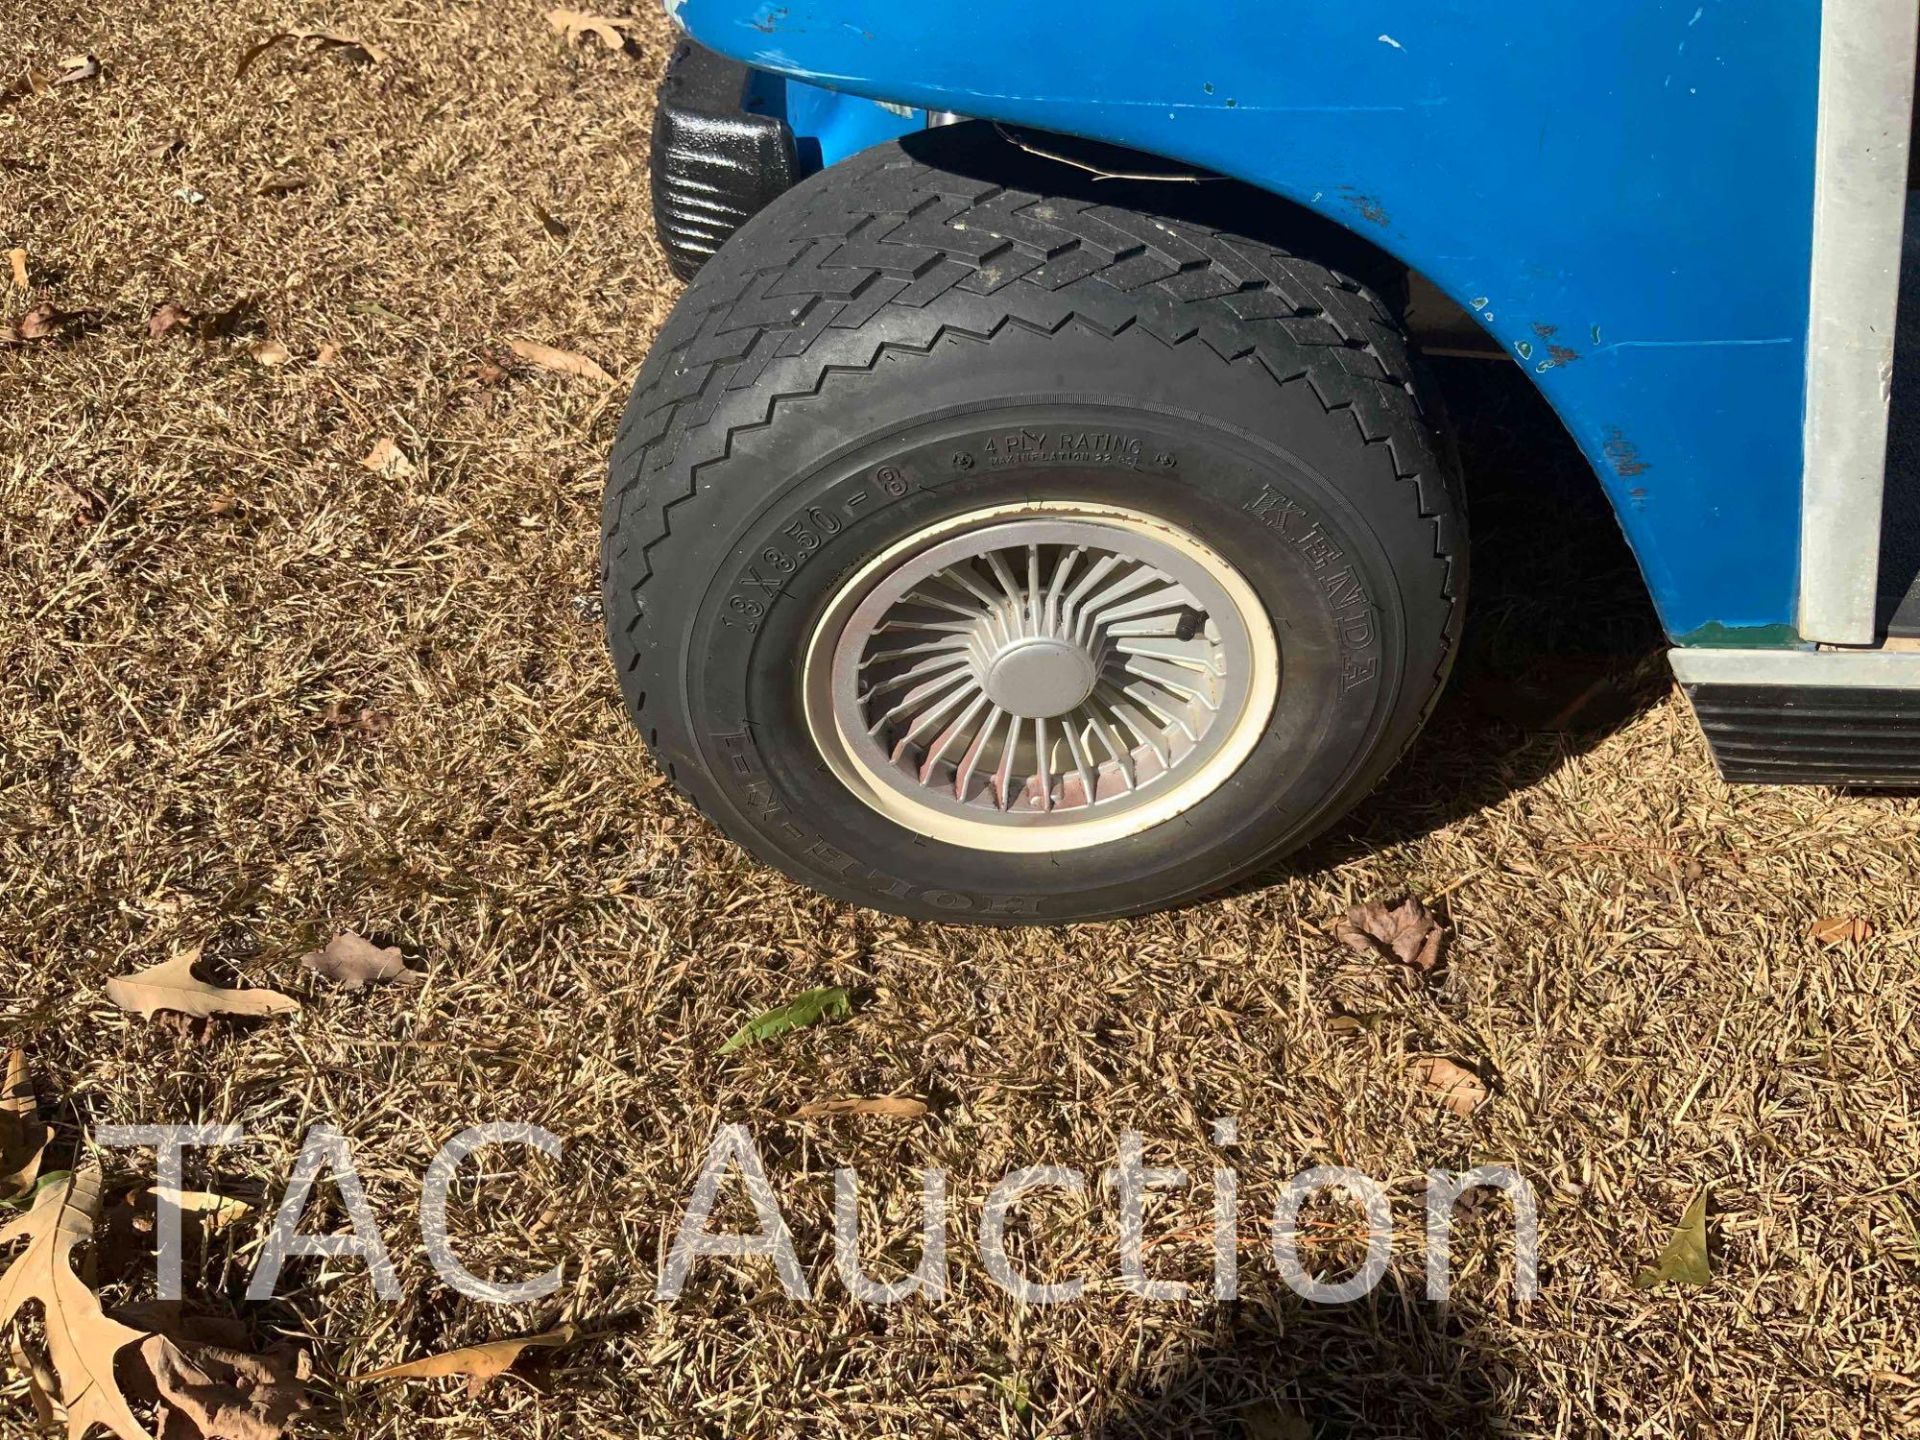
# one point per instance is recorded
(202, 588)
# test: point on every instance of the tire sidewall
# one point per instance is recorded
(1259, 493)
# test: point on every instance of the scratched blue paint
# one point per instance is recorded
(1641, 172)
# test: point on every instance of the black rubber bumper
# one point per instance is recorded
(715, 161)
(1807, 735)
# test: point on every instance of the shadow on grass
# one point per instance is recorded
(1561, 646)
(1287, 1370)
(1561, 649)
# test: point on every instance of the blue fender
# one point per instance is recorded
(1621, 193)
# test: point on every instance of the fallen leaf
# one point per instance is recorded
(17, 262)
(1407, 933)
(209, 1392)
(358, 963)
(326, 354)
(611, 31)
(173, 986)
(388, 459)
(1457, 1087)
(166, 318)
(77, 67)
(1352, 1022)
(269, 352)
(81, 1341)
(564, 361)
(903, 1107)
(1685, 1258)
(804, 1009)
(223, 504)
(44, 321)
(285, 184)
(479, 1363)
(374, 307)
(350, 47)
(342, 715)
(23, 1140)
(1839, 929)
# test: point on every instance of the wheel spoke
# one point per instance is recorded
(1057, 672)
(1009, 747)
(963, 777)
(937, 751)
(1089, 785)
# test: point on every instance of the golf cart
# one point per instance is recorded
(1034, 509)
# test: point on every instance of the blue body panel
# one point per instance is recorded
(1621, 192)
(843, 124)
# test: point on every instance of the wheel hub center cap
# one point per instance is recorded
(1040, 677)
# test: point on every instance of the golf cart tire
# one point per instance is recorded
(947, 327)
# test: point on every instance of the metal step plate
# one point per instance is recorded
(1790, 735)
(1808, 717)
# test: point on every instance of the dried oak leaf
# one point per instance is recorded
(611, 31)
(1456, 1087)
(388, 460)
(358, 963)
(81, 1341)
(903, 1107)
(566, 362)
(17, 263)
(167, 318)
(349, 47)
(1839, 929)
(1407, 933)
(172, 986)
(1685, 1258)
(343, 715)
(23, 1140)
(43, 322)
(269, 352)
(209, 1392)
(75, 68)
(479, 1363)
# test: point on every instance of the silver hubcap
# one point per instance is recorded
(1041, 677)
